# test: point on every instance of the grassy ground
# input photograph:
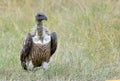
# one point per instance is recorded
(88, 39)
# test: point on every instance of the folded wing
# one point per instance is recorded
(53, 42)
(26, 47)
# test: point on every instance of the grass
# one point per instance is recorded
(88, 39)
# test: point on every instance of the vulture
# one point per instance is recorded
(38, 46)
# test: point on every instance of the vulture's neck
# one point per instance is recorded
(40, 31)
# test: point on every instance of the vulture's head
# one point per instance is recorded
(40, 17)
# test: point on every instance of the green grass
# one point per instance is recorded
(88, 39)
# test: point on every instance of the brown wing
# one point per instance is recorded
(26, 46)
(22, 59)
(53, 42)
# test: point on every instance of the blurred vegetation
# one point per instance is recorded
(88, 39)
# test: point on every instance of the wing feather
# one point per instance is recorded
(26, 46)
(53, 42)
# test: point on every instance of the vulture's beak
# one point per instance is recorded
(40, 17)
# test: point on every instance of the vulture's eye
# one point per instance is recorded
(38, 15)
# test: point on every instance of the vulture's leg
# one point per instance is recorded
(30, 65)
(45, 65)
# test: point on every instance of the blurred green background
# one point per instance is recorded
(88, 39)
